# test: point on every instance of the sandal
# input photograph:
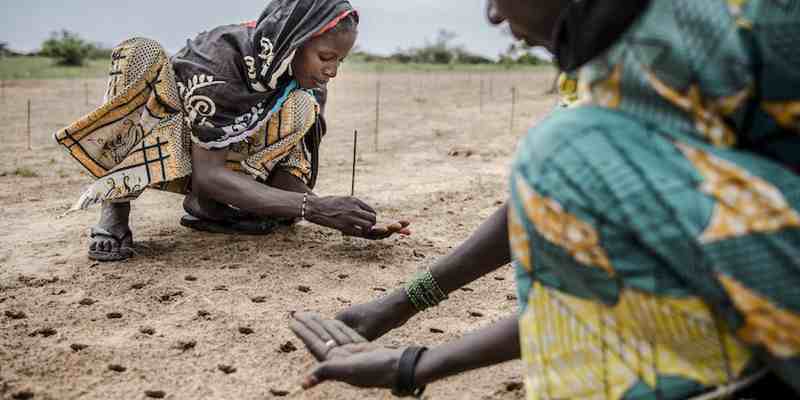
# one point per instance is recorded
(123, 251)
(232, 227)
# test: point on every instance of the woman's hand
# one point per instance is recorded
(350, 216)
(345, 356)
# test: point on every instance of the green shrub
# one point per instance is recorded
(67, 48)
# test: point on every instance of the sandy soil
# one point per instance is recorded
(190, 302)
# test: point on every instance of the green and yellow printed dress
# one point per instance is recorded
(656, 226)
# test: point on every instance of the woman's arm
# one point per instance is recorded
(485, 251)
(492, 345)
(359, 363)
(211, 179)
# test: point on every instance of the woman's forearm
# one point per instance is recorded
(489, 346)
(486, 250)
(245, 193)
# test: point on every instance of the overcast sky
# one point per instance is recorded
(386, 25)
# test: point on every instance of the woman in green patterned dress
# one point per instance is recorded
(654, 228)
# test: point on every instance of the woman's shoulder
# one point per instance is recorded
(219, 51)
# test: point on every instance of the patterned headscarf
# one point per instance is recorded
(234, 77)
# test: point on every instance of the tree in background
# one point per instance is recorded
(67, 48)
(3, 49)
(521, 53)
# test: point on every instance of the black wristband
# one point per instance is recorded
(404, 386)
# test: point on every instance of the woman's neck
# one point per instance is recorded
(587, 28)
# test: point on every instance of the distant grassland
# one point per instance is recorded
(46, 68)
(416, 67)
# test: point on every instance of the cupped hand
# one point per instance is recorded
(345, 356)
(352, 217)
(380, 232)
(348, 215)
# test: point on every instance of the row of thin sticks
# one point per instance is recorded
(28, 109)
(355, 133)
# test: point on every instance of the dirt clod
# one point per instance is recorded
(116, 368)
(87, 302)
(203, 313)
(43, 332)
(147, 330)
(155, 394)
(15, 314)
(304, 289)
(245, 330)
(259, 299)
(436, 330)
(228, 369)
(114, 315)
(169, 296)
(186, 345)
(190, 278)
(278, 392)
(24, 394)
(288, 347)
(137, 286)
(76, 347)
(475, 314)
(514, 386)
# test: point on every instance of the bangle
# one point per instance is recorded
(424, 292)
(303, 206)
(404, 385)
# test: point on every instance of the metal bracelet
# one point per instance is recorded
(303, 206)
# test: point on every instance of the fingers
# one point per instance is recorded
(383, 232)
(344, 330)
(310, 339)
(333, 330)
(324, 371)
(317, 334)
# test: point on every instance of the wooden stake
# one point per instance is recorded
(481, 95)
(377, 111)
(29, 125)
(355, 152)
(86, 91)
(513, 107)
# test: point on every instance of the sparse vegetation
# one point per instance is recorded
(67, 48)
(25, 172)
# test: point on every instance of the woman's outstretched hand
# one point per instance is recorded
(352, 217)
(344, 355)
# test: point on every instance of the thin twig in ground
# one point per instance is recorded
(353, 179)
(377, 111)
(29, 125)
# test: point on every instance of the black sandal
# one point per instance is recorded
(233, 227)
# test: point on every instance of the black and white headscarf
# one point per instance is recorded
(234, 77)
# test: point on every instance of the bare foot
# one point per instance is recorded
(111, 238)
